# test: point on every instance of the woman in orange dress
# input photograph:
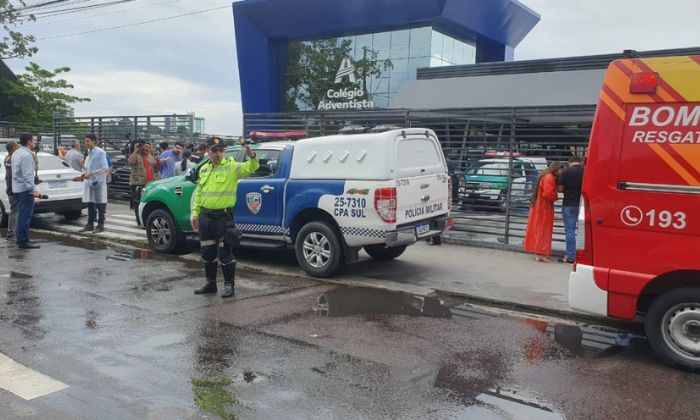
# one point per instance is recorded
(540, 224)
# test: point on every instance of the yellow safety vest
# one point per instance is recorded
(217, 185)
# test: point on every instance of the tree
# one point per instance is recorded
(313, 67)
(13, 43)
(38, 95)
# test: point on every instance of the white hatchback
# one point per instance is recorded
(65, 194)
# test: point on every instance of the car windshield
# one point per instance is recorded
(489, 169)
(51, 163)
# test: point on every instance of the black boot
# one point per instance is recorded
(210, 286)
(229, 279)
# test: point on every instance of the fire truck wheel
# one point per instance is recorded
(673, 327)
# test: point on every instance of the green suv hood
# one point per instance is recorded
(163, 184)
(497, 182)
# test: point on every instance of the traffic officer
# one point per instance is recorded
(212, 213)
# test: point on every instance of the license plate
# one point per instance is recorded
(422, 229)
(59, 184)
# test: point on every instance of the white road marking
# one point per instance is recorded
(25, 382)
(129, 217)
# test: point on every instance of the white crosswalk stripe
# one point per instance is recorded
(120, 227)
(25, 382)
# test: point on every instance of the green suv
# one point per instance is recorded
(166, 204)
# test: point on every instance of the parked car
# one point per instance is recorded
(65, 194)
(486, 182)
(327, 197)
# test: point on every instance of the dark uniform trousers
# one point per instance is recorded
(216, 237)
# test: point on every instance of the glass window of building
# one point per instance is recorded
(400, 44)
(324, 74)
(420, 40)
(381, 44)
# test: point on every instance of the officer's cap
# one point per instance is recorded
(215, 142)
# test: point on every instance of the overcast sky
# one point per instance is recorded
(189, 64)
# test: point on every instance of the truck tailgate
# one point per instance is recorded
(422, 197)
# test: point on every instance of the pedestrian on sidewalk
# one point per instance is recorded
(74, 158)
(185, 164)
(540, 224)
(201, 153)
(214, 200)
(24, 187)
(169, 158)
(570, 183)
(95, 185)
(144, 168)
(11, 147)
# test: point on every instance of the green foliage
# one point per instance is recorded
(313, 67)
(38, 95)
(13, 44)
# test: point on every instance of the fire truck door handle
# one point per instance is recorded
(599, 221)
(266, 189)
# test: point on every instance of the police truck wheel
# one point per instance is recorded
(673, 327)
(318, 249)
(384, 253)
(162, 232)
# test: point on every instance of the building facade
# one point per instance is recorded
(357, 54)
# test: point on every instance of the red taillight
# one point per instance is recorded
(584, 252)
(385, 203)
(645, 82)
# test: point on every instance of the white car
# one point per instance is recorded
(65, 194)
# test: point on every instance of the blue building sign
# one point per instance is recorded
(357, 54)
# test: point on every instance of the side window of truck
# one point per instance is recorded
(269, 163)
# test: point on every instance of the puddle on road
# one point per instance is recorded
(138, 254)
(361, 301)
(571, 340)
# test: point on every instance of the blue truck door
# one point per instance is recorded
(259, 204)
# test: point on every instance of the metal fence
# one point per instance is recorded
(494, 156)
(115, 133)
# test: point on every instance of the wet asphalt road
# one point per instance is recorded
(124, 331)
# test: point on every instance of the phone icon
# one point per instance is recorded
(632, 216)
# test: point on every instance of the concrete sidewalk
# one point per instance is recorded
(503, 277)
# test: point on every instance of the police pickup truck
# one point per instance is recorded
(327, 197)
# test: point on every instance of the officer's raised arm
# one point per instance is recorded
(249, 168)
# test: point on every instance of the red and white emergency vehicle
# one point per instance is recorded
(639, 228)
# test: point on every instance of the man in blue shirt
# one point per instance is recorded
(23, 173)
(169, 158)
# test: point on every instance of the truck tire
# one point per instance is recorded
(384, 253)
(72, 215)
(163, 233)
(318, 249)
(673, 327)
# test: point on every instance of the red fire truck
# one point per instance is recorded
(639, 226)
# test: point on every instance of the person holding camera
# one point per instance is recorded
(145, 167)
(212, 213)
